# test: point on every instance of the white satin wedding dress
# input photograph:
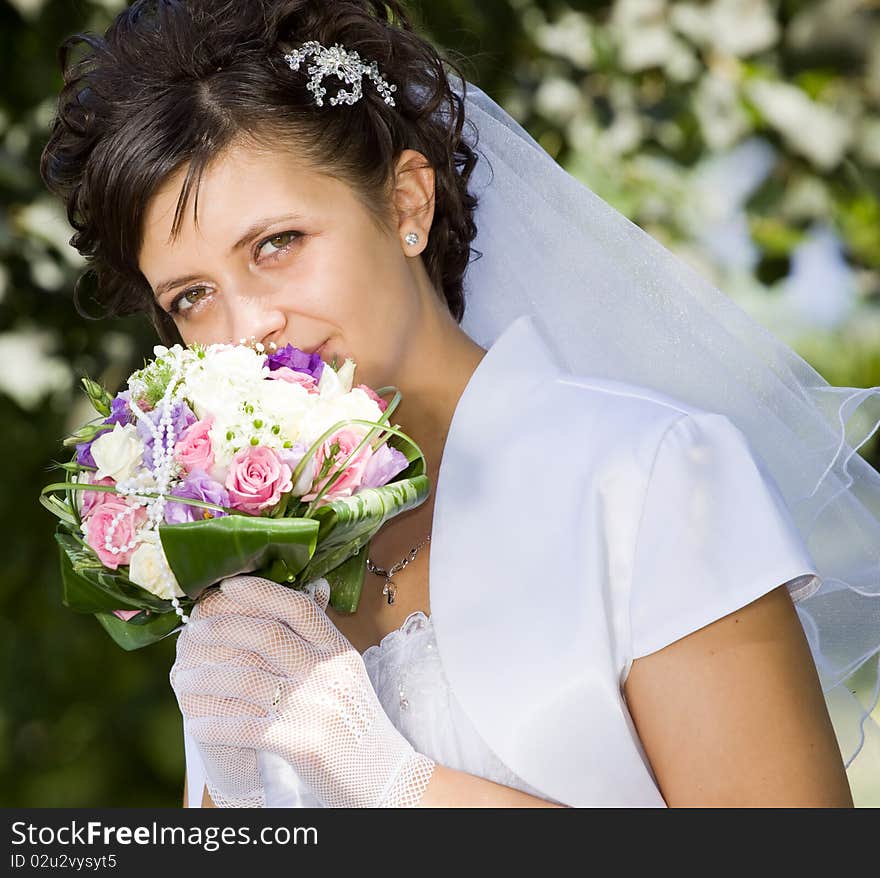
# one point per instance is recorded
(609, 577)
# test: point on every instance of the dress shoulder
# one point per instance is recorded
(714, 534)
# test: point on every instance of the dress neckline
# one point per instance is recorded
(415, 621)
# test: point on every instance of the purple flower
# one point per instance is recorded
(181, 417)
(298, 360)
(198, 485)
(84, 454)
(383, 466)
(120, 413)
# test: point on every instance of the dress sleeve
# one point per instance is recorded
(715, 534)
(195, 772)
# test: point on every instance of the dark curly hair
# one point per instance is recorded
(175, 82)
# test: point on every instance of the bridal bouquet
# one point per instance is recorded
(225, 459)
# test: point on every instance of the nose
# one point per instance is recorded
(250, 317)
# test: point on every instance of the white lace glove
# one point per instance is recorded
(261, 667)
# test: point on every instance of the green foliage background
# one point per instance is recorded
(631, 97)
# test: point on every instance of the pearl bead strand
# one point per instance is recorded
(163, 464)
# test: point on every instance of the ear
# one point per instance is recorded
(413, 198)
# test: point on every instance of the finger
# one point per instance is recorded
(191, 653)
(210, 602)
(261, 733)
(282, 649)
(213, 602)
(234, 731)
(296, 609)
(319, 589)
(195, 704)
(267, 691)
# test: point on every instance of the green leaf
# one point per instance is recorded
(141, 630)
(347, 582)
(89, 587)
(201, 553)
(59, 509)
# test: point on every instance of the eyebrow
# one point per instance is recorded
(250, 232)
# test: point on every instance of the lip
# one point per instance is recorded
(316, 350)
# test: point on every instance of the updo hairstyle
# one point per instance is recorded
(173, 83)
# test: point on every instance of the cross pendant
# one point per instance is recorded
(390, 590)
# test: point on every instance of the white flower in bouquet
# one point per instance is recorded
(292, 457)
(220, 383)
(332, 383)
(150, 570)
(346, 374)
(281, 404)
(118, 453)
(326, 412)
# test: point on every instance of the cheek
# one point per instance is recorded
(209, 327)
(338, 284)
(380, 275)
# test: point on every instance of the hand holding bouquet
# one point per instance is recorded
(223, 459)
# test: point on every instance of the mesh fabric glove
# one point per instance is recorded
(260, 667)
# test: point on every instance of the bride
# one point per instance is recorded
(644, 572)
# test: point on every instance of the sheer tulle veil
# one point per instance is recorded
(619, 305)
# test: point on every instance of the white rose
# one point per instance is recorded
(150, 569)
(118, 453)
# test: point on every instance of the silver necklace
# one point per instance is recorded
(390, 588)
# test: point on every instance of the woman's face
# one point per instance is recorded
(286, 254)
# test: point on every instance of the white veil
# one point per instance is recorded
(619, 305)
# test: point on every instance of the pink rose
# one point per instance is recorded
(98, 523)
(125, 615)
(382, 403)
(91, 500)
(348, 439)
(291, 376)
(256, 479)
(193, 450)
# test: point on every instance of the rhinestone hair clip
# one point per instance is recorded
(345, 65)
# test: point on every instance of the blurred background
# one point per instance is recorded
(742, 134)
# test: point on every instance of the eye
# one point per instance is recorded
(276, 241)
(192, 298)
(186, 300)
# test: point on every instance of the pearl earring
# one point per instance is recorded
(412, 238)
